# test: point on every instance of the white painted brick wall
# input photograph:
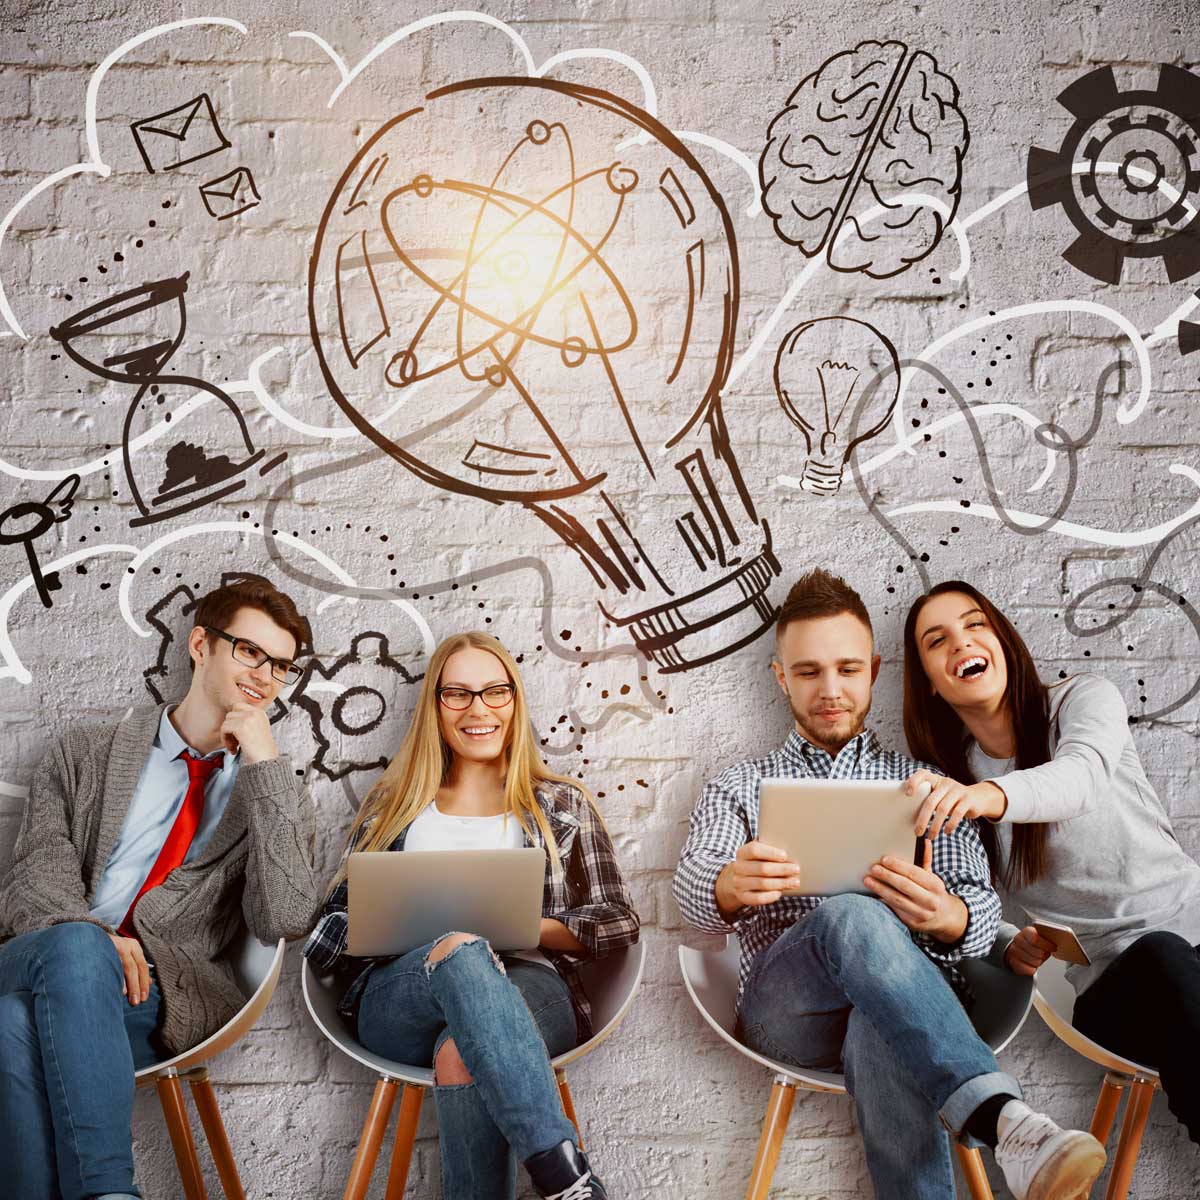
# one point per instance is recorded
(666, 1110)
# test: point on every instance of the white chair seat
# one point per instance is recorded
(711, 978)
(1054, 999)
(610, 982)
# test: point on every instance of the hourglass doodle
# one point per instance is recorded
(149, 323)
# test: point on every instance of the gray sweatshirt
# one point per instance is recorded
(1115, 868)
(257, 867)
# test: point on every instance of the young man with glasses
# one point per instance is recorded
(867, 984)
(146, 844)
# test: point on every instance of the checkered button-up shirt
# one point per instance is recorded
(588, 896)
(726, 817)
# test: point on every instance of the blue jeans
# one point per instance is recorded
(506, 1020)
(846, 988)
(69, 1045)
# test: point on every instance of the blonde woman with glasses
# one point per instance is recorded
(469, 775)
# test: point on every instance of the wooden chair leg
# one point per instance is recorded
(1106, 1105)
(971, 1162)
(1137, 1109)
(779, 1108)
(205, 1100)
(170, 1095)
(406, 1134)
(564, 1094)
(372, 1136)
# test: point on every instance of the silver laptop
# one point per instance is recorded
(837, 829)
(399, 901)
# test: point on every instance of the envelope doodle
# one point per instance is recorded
(231, 194)
(179, 136)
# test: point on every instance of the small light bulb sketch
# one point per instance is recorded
(524, 264)
(838, 380)
(25, 523)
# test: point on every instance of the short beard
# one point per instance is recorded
(831, 748)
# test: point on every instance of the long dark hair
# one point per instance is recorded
(936, 733)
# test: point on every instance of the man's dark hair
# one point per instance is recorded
(217, 608)
(817, 593)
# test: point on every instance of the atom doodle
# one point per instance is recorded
(1153, 136)
(429, 265)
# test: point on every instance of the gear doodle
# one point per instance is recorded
(364, 697)
(1137, 158)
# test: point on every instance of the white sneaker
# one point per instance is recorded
(1040, 1161)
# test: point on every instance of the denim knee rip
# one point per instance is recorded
(431, 964)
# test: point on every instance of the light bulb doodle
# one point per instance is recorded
(1154, 134)
(23, 524)
(837, 379)
(588, 288)
(152, 320)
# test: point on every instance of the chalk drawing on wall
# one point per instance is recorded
(231, 195)
(1148, 208)
(837, 379)
(867, 125)
(24, 523)
(148, 324)
(515, 263)
(181, 135)
(352, 706)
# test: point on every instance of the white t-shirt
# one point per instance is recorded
(436, 830)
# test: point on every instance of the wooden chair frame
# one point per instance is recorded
(259, 977)
(694, 964)
(1054, 999)
(611, 983)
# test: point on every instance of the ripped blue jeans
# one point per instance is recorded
(507, 1019)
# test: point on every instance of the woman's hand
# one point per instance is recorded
(1027, 951)
(949, 802)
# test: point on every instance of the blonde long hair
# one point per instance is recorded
(412, 779)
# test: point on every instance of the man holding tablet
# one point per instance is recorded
(867, 983)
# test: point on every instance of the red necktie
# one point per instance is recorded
(178, 841)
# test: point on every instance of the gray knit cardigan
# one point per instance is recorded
(257, 867)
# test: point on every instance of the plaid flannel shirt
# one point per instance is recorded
(589, 897)
(726, 817)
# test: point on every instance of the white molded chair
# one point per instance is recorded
(610, 982)
(1054, 998)
(256, 966)
(711, 979)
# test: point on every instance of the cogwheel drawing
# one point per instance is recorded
(1127, 173)
(350, 729)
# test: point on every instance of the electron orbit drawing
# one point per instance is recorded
(1149, 206)
(867, 125)
(508, 239)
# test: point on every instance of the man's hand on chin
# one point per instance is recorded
(919, 897)
(246, 728)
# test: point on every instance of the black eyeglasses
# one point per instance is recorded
(495, 695)
(246, 652)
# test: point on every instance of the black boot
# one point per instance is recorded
(562, 1173)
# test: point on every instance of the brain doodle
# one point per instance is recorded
(867, 125)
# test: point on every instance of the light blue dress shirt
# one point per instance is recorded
(157, 800)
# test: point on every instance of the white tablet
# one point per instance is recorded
(837, 829)
(397, 901)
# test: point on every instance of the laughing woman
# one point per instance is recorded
(1074, 831)
(468, 776)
